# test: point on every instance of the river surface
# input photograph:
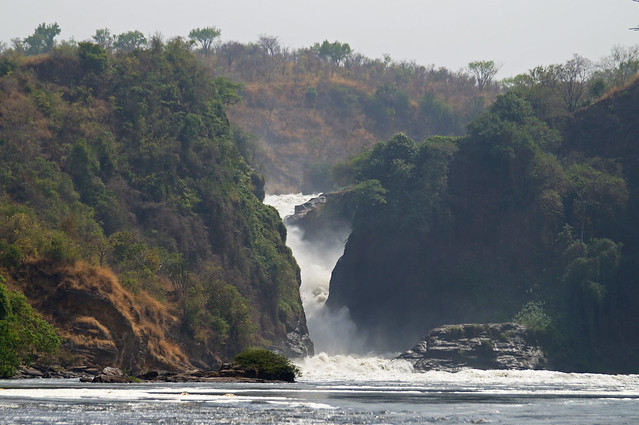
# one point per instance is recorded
(335, 390)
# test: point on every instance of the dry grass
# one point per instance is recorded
(92, 310)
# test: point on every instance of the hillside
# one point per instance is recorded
(517, 220)
(308, 110)
(128, 214)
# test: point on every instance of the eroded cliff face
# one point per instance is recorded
(477, 346)
(102, 324)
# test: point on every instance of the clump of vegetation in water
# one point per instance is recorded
(267, 364)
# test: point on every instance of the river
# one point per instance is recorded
(336, 390)
(334, 387)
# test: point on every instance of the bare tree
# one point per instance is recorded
(573, 76)
(270, 44)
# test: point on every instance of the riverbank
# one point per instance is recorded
(227, 373)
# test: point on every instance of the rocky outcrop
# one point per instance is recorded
(227, 372)
(302, 210)
(297, 344)
(477, 346)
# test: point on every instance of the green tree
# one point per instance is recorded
(337, 52)
(206, 37)
(484, 72)
(92, 57)
(439, 114)
(267, 364)
(598, 196)
(42, 40)
(104, 38)
(129, 41)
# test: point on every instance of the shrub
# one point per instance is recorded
(534, 316)
(24, 335)
(268, 364)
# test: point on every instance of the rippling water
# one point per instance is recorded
(336, 390)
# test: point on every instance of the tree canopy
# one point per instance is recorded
(205, 37)
(484, 72)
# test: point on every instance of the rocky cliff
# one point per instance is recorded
(477, 346)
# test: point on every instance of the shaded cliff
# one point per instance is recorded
(483, 228)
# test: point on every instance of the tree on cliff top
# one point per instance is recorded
(484, 72)
(42, 40)
(206, 37)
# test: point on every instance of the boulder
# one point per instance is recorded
(477, 346)
(302, 210)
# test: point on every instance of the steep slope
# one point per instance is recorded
(125, 163)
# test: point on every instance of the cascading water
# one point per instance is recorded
(332, 331)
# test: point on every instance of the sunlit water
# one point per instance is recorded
(333, 389)
(339, 390)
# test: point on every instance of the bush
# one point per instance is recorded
(268, 364)
(534, 316)
(24, 335)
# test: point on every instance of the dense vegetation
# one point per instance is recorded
(305, 109)
(268, 365)
(125, 160)
(312, 107)
(528, 217)
(24, 335)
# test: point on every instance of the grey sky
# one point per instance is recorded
(518, 34)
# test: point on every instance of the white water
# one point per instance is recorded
(332, 331)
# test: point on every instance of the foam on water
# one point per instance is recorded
(362, 372)
(323, 367)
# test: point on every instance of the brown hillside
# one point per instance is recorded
(102, 322)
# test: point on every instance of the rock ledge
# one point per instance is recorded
(477, 346)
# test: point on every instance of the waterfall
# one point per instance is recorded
(332, 331)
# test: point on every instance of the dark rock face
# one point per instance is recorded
(477, 346)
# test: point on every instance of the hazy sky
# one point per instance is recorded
(518, 34)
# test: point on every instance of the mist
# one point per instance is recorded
(331, 330)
